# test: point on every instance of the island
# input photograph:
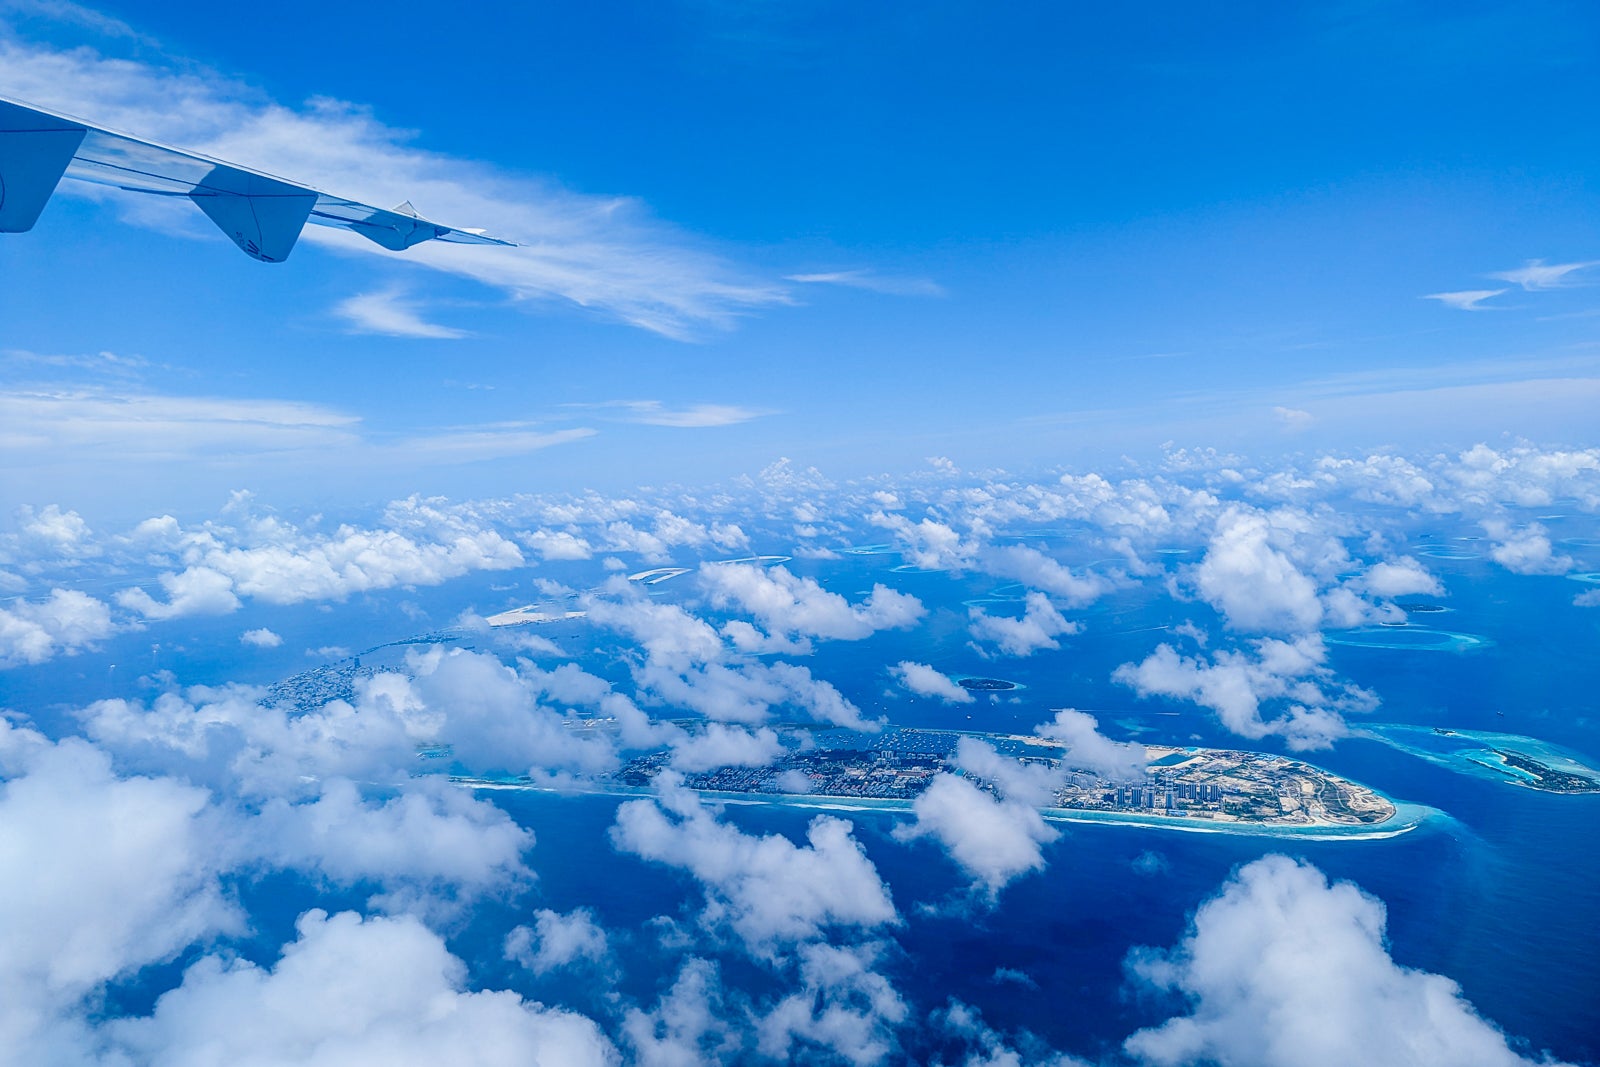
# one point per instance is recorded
(1511, 758)
(986, 685)
(1193, 788)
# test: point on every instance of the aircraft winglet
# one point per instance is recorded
(260, 213)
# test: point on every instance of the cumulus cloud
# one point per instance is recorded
(1038, 627)
(354, 990)
(99, 876)
(1033, 568)
(1088, 749)
(432, 848)
(987, 1047)
(1292, 674)
(68, 621)
(993, 840)
(557, 940)
(260, 638)
(1030, 782)
(748, 693)
(685, 1028)
(791, 606)
(1526, 550)
(493, 720)
(842, 1004)
(1282, 969)
(768, 890)
(196, 591)
(1400, 577)
(1254, 584)
(50, 531)
(717, 745)
(923, 680)
(928, 543)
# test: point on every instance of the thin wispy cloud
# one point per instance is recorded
(1537, 274)
(1467, 299)
(73, 14)
(108, 364)
(603, 254)
(111, 426)
(390, 313)
(150, 426)
(474, 444)
(872, 283)
(694, 416)
(1293, 419)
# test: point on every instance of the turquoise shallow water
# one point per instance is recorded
(1412, 638)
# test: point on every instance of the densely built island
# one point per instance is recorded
(1201, 789)
(1202, 784)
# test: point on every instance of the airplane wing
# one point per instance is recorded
(261, 213)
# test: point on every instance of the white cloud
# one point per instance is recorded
(556, 940)
(986, 1047)
(273, 561)
(923, 680)
(1089, 749)
(432, 847)
(260, 638)
(558, 544)
(1254, 584)
(665, 632)
(1033, 568)
(717, 745)
(1234, 685)
(1400, 577)
(492, 718)
(99, 876)
(875, 283)
(349, 990)
(1038, 627)
(1284, 970)
(993, 840)
(685, 1028)
(766, 889)
(196, 591)
(49, 531)
(390, 313)
(791, 606)
(150, 425)
(1466, 299)
(1526, 550)
(67, 622)
(928, 543)
(1031, 783)
(1537, 274)
(49, 425)
(695, 416)
(842, 1004)
(1293, 419)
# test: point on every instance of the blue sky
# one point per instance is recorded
(1041, 235)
